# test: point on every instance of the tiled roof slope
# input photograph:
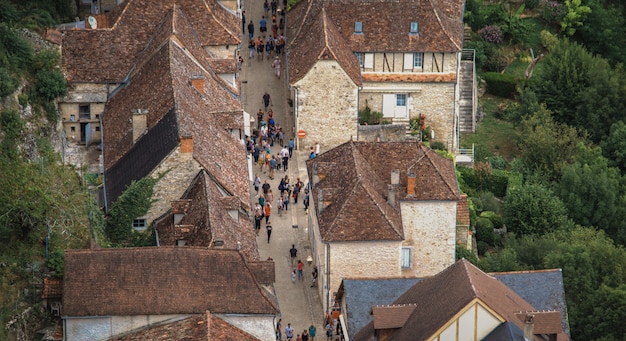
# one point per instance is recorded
(543, 289)
(108, 53)
(166, 68)
(160, 281)
(362, 294)
(386, 24)
(444, 301)
(205, 327)
(207, 219)
(462, 212)
(354, 179)
(322, 42)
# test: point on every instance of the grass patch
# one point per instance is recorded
(517, 68)
(493, 136)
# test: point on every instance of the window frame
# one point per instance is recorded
(358, 27)
(421, 60)
(360, 56)
(405, 257)
(414, 24)
(140, 224)
(401, 100)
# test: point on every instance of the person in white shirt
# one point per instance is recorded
(284, 154)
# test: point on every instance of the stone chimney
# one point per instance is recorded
(529, 327)
(139, 121)
(197, 81)
(410, 184)
(315, 177)
(391, 195)
(186, 144)
(395, 177)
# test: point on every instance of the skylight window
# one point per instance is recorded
(358, 27)
(414, 27)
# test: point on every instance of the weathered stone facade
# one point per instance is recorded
(435, 100)
(102, 328)
(81, 110)
(430, 229)
(326, 106)
(382, 132)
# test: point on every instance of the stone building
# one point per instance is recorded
(382, 209)
(400, 58)
(95, 61)
(108, 293)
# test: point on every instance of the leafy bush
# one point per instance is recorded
(8, 84)
(495, 219)
(497, 162)
(50, 84)
(462, 252)
(22, 99)
(551, 11)
(56, 263)
(531, 4)
(15, 52)
(484, 231)
(8, 12)
(51, 112)
(548, 40)
(492, 34)
(482, 248)
(47, 59)
(486, 201)
(367, 116)
(438, 145)
(502, 85)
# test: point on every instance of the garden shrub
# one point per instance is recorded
(367, 116)
(502, 85)
(50, 84)
(548, 40)
(496, 61)
(438, 145)
(8, 84)
(482, 248)
(497, 162)
(551, 11)
(531, 4)
(495, 219)
(491, 34)
(484, 231)
(51, 112)
(497, 182)
(462, 252)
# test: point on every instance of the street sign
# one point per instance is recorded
(301, 134)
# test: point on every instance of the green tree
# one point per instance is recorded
(604, 32)
(50, 84)
(606, 313)
(581, 90)
(533, 208)
(614, 146)
(574, 17)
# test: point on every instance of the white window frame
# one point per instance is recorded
(414, 28)
(401, 100)
(405, 257)
(418, 60)
(140, 224)
(358, 27)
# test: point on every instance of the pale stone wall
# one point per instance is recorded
(261, 327)
(81, 94)
(326, 106)
(375, 259)
(394, 62)
(179, 169)
(221, 51)
(382, 132)
(318, 252)
(435, 100)
(430, 230)
(87, 93)
(103, 328)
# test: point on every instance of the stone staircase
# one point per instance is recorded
(467, 121)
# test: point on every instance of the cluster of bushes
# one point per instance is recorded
(501, 84)
(367, 116)
(484, 178)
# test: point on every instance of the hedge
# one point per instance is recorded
(501, 85)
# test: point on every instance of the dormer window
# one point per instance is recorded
(414, 28)
(358, 27)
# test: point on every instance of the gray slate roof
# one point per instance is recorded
(505, 332)
(362, 294)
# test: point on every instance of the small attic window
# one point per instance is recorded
(358, 27)
(414, 28)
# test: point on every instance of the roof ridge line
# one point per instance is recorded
(427, 154)
(325, 29)
(236, 36)
(443, 28)
(306, 15)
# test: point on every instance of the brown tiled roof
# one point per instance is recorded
(442, 296)
(386, 24)
(166, 68)
(392, 316)
(462, 212)
(108, 53)
(53, 35)
(354, 179)
(204, 327)
(160, 281)
(410, 77)
(545, 322)
(208, 220)
(322, 42)
(52, 288)
(264, 271)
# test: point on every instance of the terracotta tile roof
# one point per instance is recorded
(264, 271)
(167, 67)
(322, 42)
(223, 65)
(545, 322)
(207, 219)
(354, 179)
(462, 212)
(108, 53)
(441, 301)
(52, 288)
(204, 327)
(160, 281)
(392, 316)
(53, 36)
(386, 24)
(410, 77)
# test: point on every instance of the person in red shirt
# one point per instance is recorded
(300, 270)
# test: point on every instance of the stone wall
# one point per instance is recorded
(382, 132)
(375, 259)
(261, 327)
(435, 100)
(326, 106)
(430, 229)
(103, 328)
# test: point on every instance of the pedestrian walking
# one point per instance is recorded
(251, 48)
(293, 276)
(257, 183)
(293, 252)
(298, 337)
(279, 330)
(266, 187)
(250, 30)
(279, 204)
(267, 210)
(266, 7)
(258, 215)
(300, 270)
(286, 201)
(314, 277)
(289, 331)
(284, 154)
(263, 25)
(268, 227)
(267, 100)
(276, 66)
(329, 331)
(243, 22)
(305, 335)
(312, 331)
(317, 148)
(291, 144)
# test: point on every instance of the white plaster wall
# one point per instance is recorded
(395, 62)
(430, 228)
(327, 106)
(318, 252)
(466, 324)
(102, 328)
(376, 259)
(261, 327)
(486, 322)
